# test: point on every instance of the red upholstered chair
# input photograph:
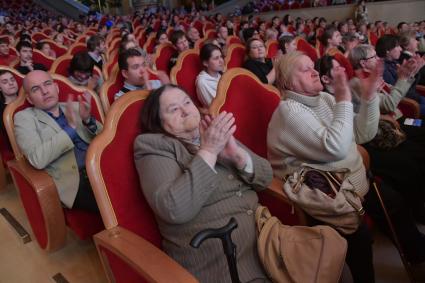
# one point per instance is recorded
(343, 61)
(207, 26)
(307, 48)
(373, 38)
(162, 56)
(115, 44)
(410, 108)
(130, 246)
(210, 34)
(253, 104)
(77, 47)
(110, 87)
(61, 65)
(39, 57)
(109, 65)
(186, 70)
(38, 192)
(150, 43)
(232, 39)
(38, 36)
(198, 25)
(6, 152)
(272, 48)
(235, 56)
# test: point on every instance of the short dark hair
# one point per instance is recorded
(248, 33)
(123, 57)
(159, 33)
(324, 66)
(385, 44)
(2, 72)
(4, 40)
(400, 25)
(248, 44)
(39, 45)
(81, 62)
(207, 50)
(23, 43)
(150, 116)
(284, 39)
(94, 41)
(176, 35)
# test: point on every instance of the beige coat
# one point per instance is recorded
(48, 147)
(188, 196)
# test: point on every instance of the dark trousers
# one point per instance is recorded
(411, 240)
(403, 168)
(85, 199)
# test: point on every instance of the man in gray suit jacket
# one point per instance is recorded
(55, 136)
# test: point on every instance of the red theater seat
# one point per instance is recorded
(186, 70)
(235, 56)
(38, 192)
(272, 48)
(307, 48)
(130, 246)
(39, 57)
(253, 103)
(162, 56)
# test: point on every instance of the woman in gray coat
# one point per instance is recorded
(194, 176)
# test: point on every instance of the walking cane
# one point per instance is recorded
(225, 235)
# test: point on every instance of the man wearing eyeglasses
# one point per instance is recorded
(55, 137)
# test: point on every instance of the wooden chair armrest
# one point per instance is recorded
(140, 255)
(42, 205)
(420, 89)
(279, 205)
(412, 105)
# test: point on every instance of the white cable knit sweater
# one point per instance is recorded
(318, 131)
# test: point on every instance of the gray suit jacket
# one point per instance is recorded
(48, 147)
(187, 196)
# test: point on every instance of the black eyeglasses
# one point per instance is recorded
(371, 57)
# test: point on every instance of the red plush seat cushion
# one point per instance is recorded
(84, 224)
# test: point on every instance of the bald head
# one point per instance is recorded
(42, 92)
(34, 77)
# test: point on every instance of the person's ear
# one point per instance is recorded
(325, 79)
(124, 73)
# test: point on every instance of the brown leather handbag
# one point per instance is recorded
(299, 253)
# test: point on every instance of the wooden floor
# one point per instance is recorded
(78, 262)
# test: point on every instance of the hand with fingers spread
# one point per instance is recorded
(371, 84)
(407, 69)
(84, 102)
(69, 112)
(340, 85)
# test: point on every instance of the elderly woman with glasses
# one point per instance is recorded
(314, 128)
(257, 62)
(195, 175)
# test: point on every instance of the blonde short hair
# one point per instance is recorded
(284, 68)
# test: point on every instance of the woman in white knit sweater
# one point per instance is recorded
(311, 127)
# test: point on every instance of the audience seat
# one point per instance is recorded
(235, 56)
(233, 39)
(130, 245)
(186, 70)
(6, 152)
(272, 48)
(343, 61)
(150, 43)
(39, 36)
(38, 193)
(77, 47)
(410, 108)
(109, 65)
(307, 48)
(253, 104)
(39, 57)
(162, 56)
(110, 87)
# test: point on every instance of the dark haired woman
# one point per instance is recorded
(257, 62)
(195, 175)
(8, 93)
(207, 80)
